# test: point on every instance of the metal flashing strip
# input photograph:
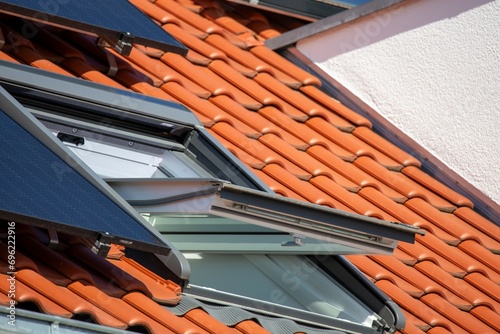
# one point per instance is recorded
(230, 308)
(330, 22)
(102, 18)
(263, 209)
(341, 270)
(37, 84)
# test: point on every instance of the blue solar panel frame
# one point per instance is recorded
(44, 184)
(117, 20)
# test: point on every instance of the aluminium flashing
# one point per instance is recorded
(293, 36)
(340, 269)
(46, 84)
(69, 163)
(224, 165)
(199, 296)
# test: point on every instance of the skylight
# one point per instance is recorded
(43, 184)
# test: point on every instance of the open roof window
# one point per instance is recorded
(121, 134)
(116, 22)
(204, 215)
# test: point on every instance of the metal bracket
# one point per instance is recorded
(102, 244)
(53, 239)
(123, 45)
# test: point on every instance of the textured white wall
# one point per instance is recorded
(432, 68)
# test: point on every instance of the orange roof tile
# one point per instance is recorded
(301, 142)
(116, 292)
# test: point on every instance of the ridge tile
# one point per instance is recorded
(457, 286)
(484, 284)
(477, 221)
(487, 316)
(208, 323)
(421, 281)
(277, 61)
(367, 135)
(424, 179)
(350, 142)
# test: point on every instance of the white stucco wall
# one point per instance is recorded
(432, 68)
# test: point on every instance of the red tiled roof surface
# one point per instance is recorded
(71, 281)
(304, 144)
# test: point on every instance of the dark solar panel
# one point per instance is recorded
(108, 18)
(37, 186)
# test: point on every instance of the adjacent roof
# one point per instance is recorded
(304, 144)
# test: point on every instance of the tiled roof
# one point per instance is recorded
(71, 281)
(304, 144)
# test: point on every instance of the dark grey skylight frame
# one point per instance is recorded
(118, 22)
(41, 88)
(54, 159)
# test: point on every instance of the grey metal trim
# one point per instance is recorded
(314, 212)
(66, 124)
(267, 210)
(82, 90)
(175, 198)
(19, 114)
(275, 310)
(236, 167)
(352, 279)
(393, 315)
(336, 20)
(78, 91)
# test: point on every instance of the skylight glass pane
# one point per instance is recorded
(213, 234)
(281, 279)
(112, 151)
